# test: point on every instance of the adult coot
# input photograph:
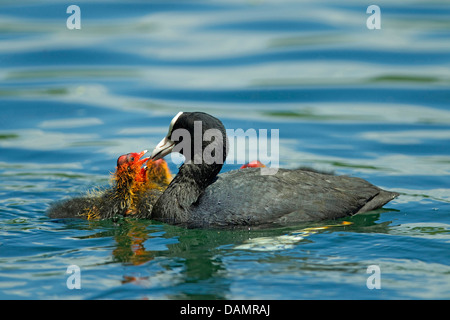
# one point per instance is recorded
(199, 197)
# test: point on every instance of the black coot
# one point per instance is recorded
(199, 197)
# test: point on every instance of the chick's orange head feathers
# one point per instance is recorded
(130, 166)
(132, 159)
(253, 164)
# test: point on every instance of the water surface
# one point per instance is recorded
(367, 103)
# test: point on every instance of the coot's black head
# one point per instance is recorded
(200, 137)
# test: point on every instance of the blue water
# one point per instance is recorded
(367, 103)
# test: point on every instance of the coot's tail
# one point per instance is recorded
(379, 200)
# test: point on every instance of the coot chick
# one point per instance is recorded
(253, 164)
(199, 197)
(130, 184)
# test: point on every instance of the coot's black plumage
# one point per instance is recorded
(199, 197)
